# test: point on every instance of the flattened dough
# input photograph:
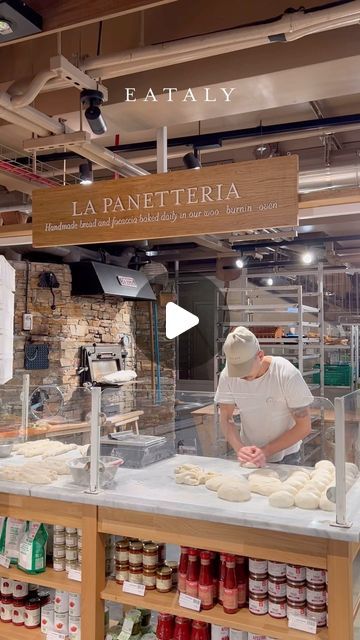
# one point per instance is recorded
(267, 473)
(248, 465)
(265, 486)
(234, 492)
(213, 484)
(281, 499)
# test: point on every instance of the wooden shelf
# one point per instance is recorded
(50, 578)
(11, 632)
(242, 620)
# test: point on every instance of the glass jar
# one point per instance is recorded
(122, 551)
(316, 594)
(18, 612)
(121, 572)
(58, 551)
(20, 590)
(136, 574)
(182, 629)
(165, 627)
(44, 597)
(59, 564)
(258, 604)
(258, 583)
(32, 613)
(258, 567)
(296, 609)
(199, 630)
(7, 587)
(150, 555)
(7, 604)
(315, 576)
(206, 584)
(277, 569)
(164, 579)
(59, 538)
(149, 577)
(295, 573)
(277, 607)
(317, 613)
(183, 567)
(174, 571)
(135, 553)
(296, 591)
(71, 540)
(277, 587)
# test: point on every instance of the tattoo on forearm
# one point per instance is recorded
(302, 412)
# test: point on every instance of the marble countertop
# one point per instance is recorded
(154, 488)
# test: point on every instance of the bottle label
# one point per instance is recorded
(242, 594)
(221, 591)
(32, 618)
(182, 582)
(230, 598)
(192, 588)
(206, 594)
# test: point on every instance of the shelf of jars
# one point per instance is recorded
(242, 620)
(57, 580)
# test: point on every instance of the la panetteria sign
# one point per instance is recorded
(218, 199)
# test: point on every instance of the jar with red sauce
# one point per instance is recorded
(32, 613)
(182, 629)
(200, 630)
(206, 586)
(6, 608)
(192, 576)
(165, 627)
(18, 612)
(230, 594)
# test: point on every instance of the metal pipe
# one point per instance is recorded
(34, 88)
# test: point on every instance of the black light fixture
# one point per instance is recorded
(91, 101)
(18, 20)
(191, 161)
(86, 173)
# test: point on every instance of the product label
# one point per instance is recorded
(258, 566)
(206, 594)
(182, 582)
(302, 624)
(316, 597)
(135, 589)
(192, 587)
(277, 610)
(6, 586)
(242, 593)
(277, 589)
(6, 612)
(277, 569)
(4, 561)
(189, 602)
(315, 576)
(52, 635)
(74, 574)
(296, 594)
(32, 618)
(258, 586)
(230, 598)
(297, 574)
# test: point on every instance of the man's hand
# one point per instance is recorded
(252, 454)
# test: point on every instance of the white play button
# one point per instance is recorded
(178, 320)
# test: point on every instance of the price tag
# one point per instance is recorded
(4, 561)
(302, 624)
(74, 574)
(55, 636)
(188, 602)
(135, 589)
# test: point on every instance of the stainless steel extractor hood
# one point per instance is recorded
(97, 279)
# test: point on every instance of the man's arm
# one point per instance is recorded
(228, 426)
(299, 431)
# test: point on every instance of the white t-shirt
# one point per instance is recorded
(265, 403)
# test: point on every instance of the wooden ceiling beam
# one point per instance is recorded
(59, 15)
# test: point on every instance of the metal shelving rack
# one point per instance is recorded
(290, 312)
(352, 354)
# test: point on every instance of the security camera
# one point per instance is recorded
(91, 101)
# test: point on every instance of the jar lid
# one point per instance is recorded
(122, 544)
(19, 602)
(316, 607)
(279, 579)
(149, 571)
(164, 571)
(297, 585)
(172, 564)
(258, 576)
(316, 587)
(205, 555)
(180, 620)
(258, 596)
(296, 605)
(150, 547)
(193, 552)
(277, 599)
(31, 602)
(136, 545)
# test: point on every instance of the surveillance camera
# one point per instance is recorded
(91, 101)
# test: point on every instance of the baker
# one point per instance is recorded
(271, 397)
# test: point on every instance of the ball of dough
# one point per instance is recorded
(281, 499)
(234, 492)
(299, 475)
(326, 504)
(307, 500)
(203, 477)
(289, 489)
(249, 465)
(313, 489)
(318, 484)
(213, 484)
(267, 473)
(325, 464)
(350, 467)
(297, 484)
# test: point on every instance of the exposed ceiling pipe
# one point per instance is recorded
(291, 26)
(33, 89)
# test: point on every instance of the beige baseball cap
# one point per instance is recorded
(241, 348)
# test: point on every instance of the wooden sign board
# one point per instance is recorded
(218, 199)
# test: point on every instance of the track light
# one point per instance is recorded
(91, 101)
(191, 161)
(239, 263)
(269, 282)
(86, 173)
(307, 257)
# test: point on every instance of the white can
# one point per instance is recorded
(219, 633)
(47, 618)
(258, 566)
(315, 576)
(74, 624)
(20, 589)
(7, 587)
(74, 605)
(277, 569)
(61, 602)
(61, 623)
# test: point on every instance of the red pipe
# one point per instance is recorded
(24, 173)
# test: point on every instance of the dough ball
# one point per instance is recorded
(299, 475)
(304, 470)
(350, 467)
(265, 486)
(307, 500)
(203, 477)
(289, 489)
(248, 465)
(325, 464)
(281, 499)
(313, 489)
(326, 504)
(297, 484)
(213, 484)
(234, 492)
(267, 473)
(318, 484)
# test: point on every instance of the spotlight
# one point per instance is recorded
(91, 101)
(262, 151)
(239, 263)
(6, 27)
(269, 282)
(86, 173)
(191, 161)
(307, 257)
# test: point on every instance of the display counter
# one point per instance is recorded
(149, 505)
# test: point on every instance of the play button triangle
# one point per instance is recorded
(178, 320)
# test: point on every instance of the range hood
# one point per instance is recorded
(98, 278)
